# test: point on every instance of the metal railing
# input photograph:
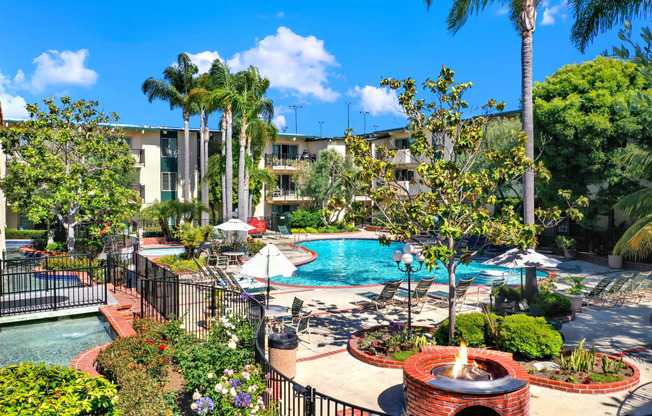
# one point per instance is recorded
(51, 283)
(273, 160)
(139, 155)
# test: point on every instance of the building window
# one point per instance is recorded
(169, 147)
(128, 140)
(285, 151)
(403, 143)
(168, 181)
(404, 174)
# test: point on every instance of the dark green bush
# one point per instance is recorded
(57, 247)
(529, 337)
(469, 327)
(41, 389)
(87, 246)
(553, 303)
(14, 234)
(303, 218)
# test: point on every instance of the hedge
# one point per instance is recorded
(14, 234)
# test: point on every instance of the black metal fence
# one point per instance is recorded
(51, 283)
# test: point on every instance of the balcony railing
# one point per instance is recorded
(140, 189)
(139, 155)
(281, 161)
(282, 194)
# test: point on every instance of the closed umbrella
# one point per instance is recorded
(269, 262)
(517, 258)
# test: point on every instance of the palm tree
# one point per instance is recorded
(179, 80)
(253, 108)
(215, 170)
(597, 16)
(522, 14)
(224, 92)
(160, 212)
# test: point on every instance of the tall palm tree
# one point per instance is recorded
(225, 91)
(215, 170)
(597, 16)
(179, 80)
(253, 107)
(523, 15)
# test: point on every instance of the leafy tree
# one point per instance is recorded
(180, 211)
(193, 238)
(179, 80)
(327, 178)
(68, 163)
(451, 198)
(641, 56)
(161, 213)
(597, 16)
(580, 112)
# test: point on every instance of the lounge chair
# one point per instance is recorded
(283, 230)
(383, 299)
(597, 293)
(419, 295)
(460, 293)
(301, 325)
(631, 291)
(613, 293)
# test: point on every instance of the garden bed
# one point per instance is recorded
(591, 382)
(365, 346)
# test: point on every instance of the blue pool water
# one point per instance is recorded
(53, 341)
(161, 251)
(365, 262)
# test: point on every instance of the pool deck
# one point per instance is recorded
(325, 363)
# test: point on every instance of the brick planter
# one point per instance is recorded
(425, 399)
(598, 388)
(371, 359)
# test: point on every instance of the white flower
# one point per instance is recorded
(193, 406)
(246, 375)
(232, 391)
(196, 395)
(254, 410)
(232, 345)
(210, 375)
(218, 387)
(253, 388)
(182, 326)
(235, 338)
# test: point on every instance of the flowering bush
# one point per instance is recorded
(394, 341)
(230, 345)
(238, 393)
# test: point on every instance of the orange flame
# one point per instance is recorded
(460, 360)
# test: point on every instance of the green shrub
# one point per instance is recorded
(88, 246)
(57, 247)
(40, 243)
(553, 304)
(605, 378)
(303, 218)
(529, 337)
(402, 355)
(323, 230)
(351, 228)
(298, 230)
(15, 234)
(41, 389)
(178, 263)
(311, 230)
(469, 327)
(254, 246)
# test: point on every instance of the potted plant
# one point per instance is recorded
(568, 244)
(575, 292)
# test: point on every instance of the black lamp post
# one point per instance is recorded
(404, 258)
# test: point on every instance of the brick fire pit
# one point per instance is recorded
(428, 396)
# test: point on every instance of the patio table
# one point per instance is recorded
(234, 257)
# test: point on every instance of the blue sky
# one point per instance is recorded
(317, 55)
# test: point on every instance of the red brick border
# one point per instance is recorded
(598, 388)
(370, 359)
(86, 360)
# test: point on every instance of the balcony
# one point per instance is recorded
(287, 162)
(283, 194)
(140, 189)
(139, 155)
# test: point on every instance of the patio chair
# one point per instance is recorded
(297, 304)
(613, 293)
(301, 325)
(460, 293)
(597, 293)
(419, 295)
(631, 291)
(383, 299)
(495, 284)
(646, 289)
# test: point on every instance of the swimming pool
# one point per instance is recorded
(161, 251)
(355, 262)
(53, 341)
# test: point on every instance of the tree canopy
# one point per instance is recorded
(66, 162)
(581, 114)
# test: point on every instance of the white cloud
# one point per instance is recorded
(503, 11)
(291, 62)
(280, 14)
(377, 101)
(67, 67)
(13, 106)
(280, 122)
(551, 12)
(204, 60)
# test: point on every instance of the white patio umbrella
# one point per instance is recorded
(269, 262)
(234, 225)
(517, 258)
